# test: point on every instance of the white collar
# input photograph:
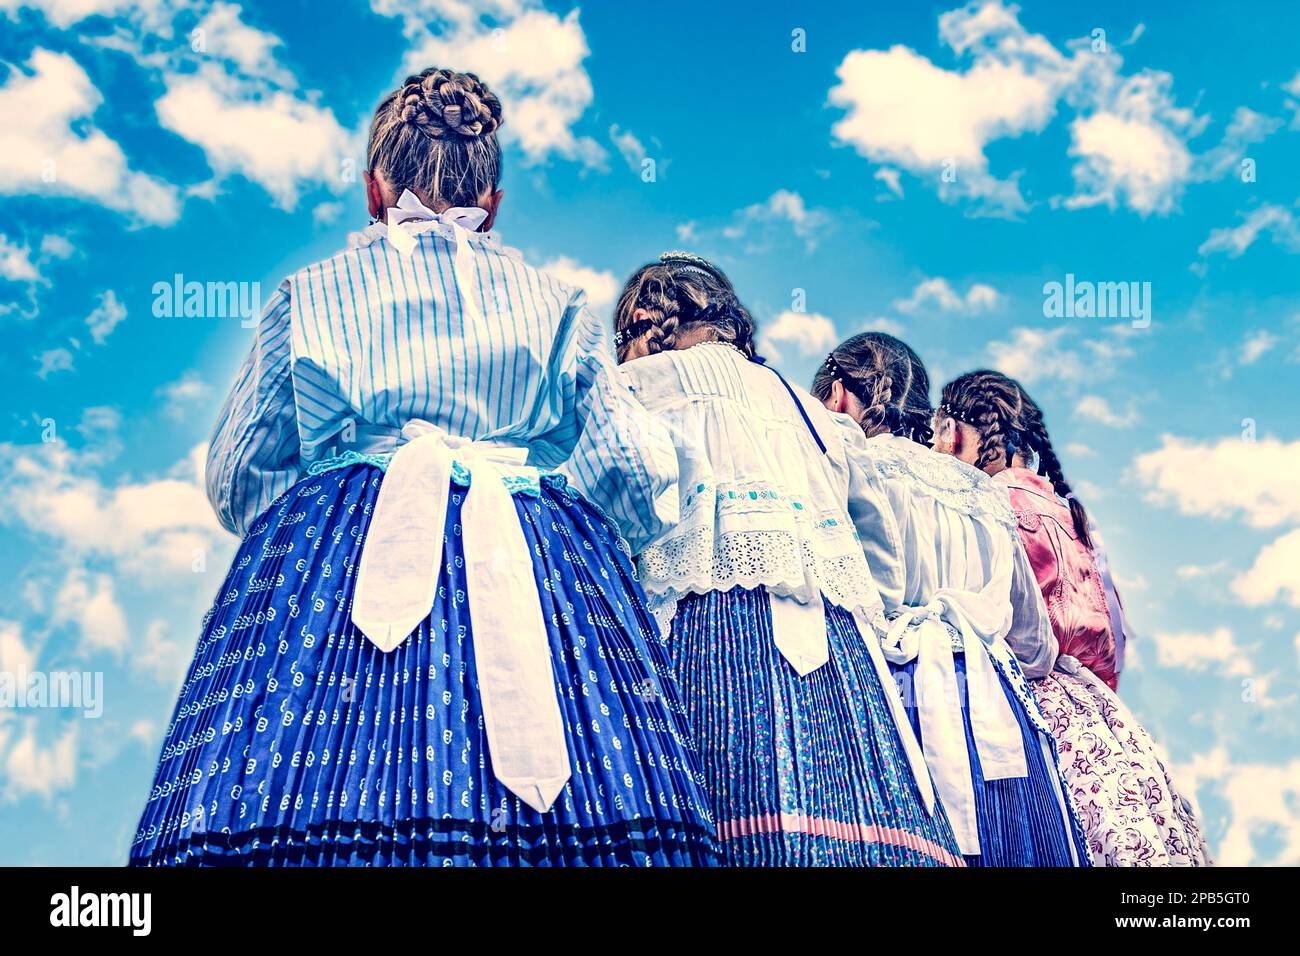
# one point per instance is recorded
(410, 209)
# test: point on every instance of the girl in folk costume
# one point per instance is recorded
(962, 607)
(746, 547)
(428, 650)
(1131, 810)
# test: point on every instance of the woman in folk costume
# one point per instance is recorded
(746, 548)
(1131, 810)
(962, 606)
(427, 650)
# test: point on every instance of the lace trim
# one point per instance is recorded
(944, 478)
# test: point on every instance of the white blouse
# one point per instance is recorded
(954, 578)
(734, 479)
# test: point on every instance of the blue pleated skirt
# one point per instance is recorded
(296, 741)
(1026, 821)
(802, 771)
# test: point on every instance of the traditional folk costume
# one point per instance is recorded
(428, 650)
(1132, 813)
(947, 561)
(749, 557)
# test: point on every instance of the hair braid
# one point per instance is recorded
(888, 378)
(678, 292)
(1049, 466)
(1007, 421)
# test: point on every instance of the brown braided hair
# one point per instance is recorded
(888, 378)
(680, 292)
(436, 135)
(1009, 421)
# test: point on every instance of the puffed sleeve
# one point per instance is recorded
(253, 457)
(623, 459)
(874, 516)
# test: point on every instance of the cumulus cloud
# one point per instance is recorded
(783, 208)
(1275, 574)
(275, 137)
(1276, 222)
(1223, 479)
(53, 148)
(938, 294)
(1260, 800)
(531, 57)
(602, 287)
(1128, 136)
(148, 529)
(1033, 354)
(1098, 409)
(806, 333)
(1215, 651)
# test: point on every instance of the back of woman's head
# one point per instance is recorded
(1008, 422)
(680, 294)
(888, 378)
(436, 136)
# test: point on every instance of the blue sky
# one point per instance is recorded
(924, 170)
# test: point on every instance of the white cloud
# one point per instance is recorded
(1034, 354)
(149, 529)
(782, 207)
(1216, 651)
(52, 147)
(1275, 575)
(88, 602)
(530, 57)
(16, 262)
(274, 137)
(1261, 800)
(1256, 345)
(1098, 409)
(629, 147)
(106, 317)
(1128, 135)
(939, 294)
(1275, 221)
(250, 51)
(53, 360)
(892, 179)
(809, 333)
(180, 396)
(30, 768)
(602, 287)
(1224, 479)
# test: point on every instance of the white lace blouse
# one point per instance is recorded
(954, 578)
(758, 503)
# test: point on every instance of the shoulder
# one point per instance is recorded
(944, 478)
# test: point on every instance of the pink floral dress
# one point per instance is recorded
(1121, 786)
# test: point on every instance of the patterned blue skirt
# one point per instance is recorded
(296, 741)
(803, 771)
(1025, 821)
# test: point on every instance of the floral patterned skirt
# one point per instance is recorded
(297, 742)
(1131, 812)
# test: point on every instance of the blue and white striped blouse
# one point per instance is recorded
(350, 349)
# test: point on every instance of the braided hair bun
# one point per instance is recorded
(442, 103)
(436, 135)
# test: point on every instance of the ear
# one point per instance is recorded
(492, 205)
(374, 195)
(837, 401)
